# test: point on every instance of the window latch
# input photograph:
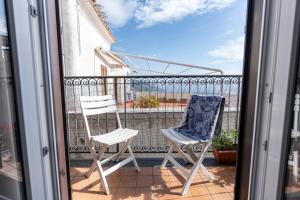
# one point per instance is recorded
(266, 145)
(45, 151)
(33, 11)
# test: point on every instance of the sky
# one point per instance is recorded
(3, 25)
(208, 33)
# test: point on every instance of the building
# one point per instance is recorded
(84, 33)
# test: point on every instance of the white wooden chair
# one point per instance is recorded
(96, 105)
(179, 140)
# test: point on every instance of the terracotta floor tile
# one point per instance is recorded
(144, 196)
(118, 173)
(178, 190)
(162, 181)
(85, 196)
(82, 169)
(229, 188)
(224, 196)
(146, 171)
(112, 181)
(163, 195)
(176, 184)
(145, 181)
(216, 189)
(199, 183)
(143, 193)
(93, 187)
(80, 183)
(213, 183)
(160, 171)
(125, 193)
(203, 197)
(174, 171)
(197, 191)
(128, 181)
(177, 178)
(130, 171)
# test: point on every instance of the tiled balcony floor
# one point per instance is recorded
(153, 183)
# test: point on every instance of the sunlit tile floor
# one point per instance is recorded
(153, 183)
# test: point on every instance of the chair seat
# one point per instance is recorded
(178, 138)
(116, 136)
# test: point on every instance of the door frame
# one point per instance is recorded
(36, 72)
(251, 73)
(273, 116)
(249, 102)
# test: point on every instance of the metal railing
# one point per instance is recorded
(146, 103)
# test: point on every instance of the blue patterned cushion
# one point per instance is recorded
(200, 116)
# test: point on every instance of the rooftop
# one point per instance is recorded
(101, 15)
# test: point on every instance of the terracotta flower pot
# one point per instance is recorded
(228, 156)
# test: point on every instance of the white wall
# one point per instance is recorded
(83, 32)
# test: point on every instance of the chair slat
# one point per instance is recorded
(98, 111)
(97, 104)
(115, 136)
(95, 98)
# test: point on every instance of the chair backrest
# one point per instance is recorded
(203, 117)
(96, 105)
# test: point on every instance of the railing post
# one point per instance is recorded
(125, 103)
(238, 107)
(0, 158)
(116, 90)
(117, 102)
(221, 86)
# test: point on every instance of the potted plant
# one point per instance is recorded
(224, 147)
(146, 102)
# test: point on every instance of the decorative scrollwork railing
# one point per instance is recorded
(170, 94)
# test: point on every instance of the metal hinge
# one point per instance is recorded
(266, 145)
(45, 151)
(270, 97)
(33, 11)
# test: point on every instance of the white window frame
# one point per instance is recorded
(274, 88)
(25, 19)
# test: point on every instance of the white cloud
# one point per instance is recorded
(118, 12)
(152, 12)
(3, 27)
(233, 50)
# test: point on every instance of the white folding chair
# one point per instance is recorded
(179, 140)
(96, 105)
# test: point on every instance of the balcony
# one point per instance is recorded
(148, 104)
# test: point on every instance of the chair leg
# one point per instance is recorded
(189, 180)
(133, 158)
(295, 165)
(194, 170)
(100, 169)
(94, 164)
(122, 151)
(103, 179)
(185, 156)
(166, 157)
(92, 168)
(209, 175)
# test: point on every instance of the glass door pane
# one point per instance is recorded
(292, 189)
(11, 179)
